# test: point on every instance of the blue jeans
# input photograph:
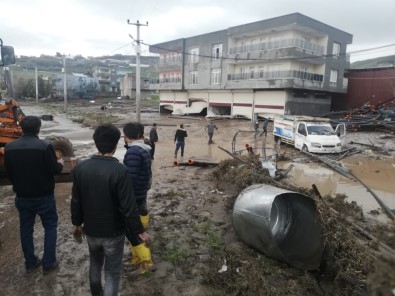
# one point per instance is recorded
(28, 209)
(178, 146)
(107, 251)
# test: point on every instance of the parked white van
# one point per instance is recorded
(310, 134)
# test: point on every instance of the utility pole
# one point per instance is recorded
(138, 97)
(65, 83)
(36, 86)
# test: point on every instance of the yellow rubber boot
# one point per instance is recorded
(145, 221)
(144, 254)
(135, 261)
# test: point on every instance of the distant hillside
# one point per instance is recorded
(388, 61)
(78, 64)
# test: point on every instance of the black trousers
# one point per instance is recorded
(152, 150)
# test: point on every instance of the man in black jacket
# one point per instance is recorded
(31, 164)
(153, 138)
(103, 205)
(179, 140)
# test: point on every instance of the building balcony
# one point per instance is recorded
(314, 48)
(282, 54)
(278, 75)
(165, 84)
(167, 66)
(104, 80)
(277, 79)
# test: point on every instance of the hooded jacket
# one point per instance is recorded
(138, 161)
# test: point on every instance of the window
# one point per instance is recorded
(336, 49)
(252, 45)
(273, 71)
(260, 72)
(193, 77)
(216, 76)
(252, 72)
(333, 78)
(217, 51)
(302, 129)
(194, 55)
(244, 72)
(245, 46)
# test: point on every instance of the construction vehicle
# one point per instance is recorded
(11, 115)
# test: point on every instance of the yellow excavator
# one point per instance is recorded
(11, 115)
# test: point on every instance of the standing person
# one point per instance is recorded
(210, 130)
(265, 124)
(179, 139)
(138, 161)
(153, 138)
(103, 206)
(256, 128)
(31, 165)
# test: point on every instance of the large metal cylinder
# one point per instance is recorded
(281, 224)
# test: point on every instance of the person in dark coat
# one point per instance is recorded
(153, 138)
(265, 124)
(138, 161)
(31, 165)
(179, 140)
(103, 207)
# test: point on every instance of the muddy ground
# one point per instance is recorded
(191, 225)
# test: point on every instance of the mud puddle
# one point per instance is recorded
(331, 183)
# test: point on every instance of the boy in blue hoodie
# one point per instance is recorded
(138, 161)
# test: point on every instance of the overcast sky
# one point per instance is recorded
(99, 27)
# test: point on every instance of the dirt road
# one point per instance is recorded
(193, 237)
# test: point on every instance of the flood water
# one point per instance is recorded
(330, 182)
(233, 135)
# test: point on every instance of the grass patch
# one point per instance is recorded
(175, 255)
(173, 193)
(214, 240)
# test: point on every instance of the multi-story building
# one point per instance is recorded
(128, 87)
(290, 64)
(107, 78)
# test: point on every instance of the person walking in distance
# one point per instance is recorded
(265, 124)
(256, 128)
(210, 130)
(138, 161)
(31, 165)
(153, 138)
(103, 206)
(179, 140)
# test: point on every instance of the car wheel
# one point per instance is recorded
(305, 149)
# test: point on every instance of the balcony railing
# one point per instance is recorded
(165, 80)
(287, 74)
(168, 61)
(277, 44)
